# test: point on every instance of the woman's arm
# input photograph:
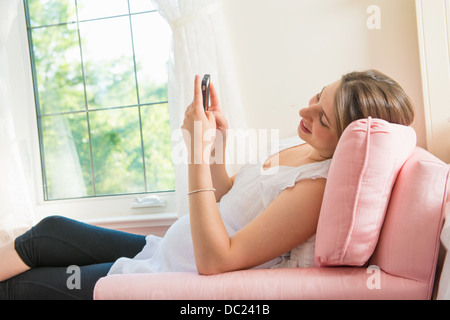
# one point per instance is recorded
(287, 222)
(221, 181)
(208, 231)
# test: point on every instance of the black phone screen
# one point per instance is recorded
(205, 91)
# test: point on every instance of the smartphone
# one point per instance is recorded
(205, 91)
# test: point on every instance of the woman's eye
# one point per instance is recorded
(322, 122)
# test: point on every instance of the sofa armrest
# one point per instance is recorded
(279, 284)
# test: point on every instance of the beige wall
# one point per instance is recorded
(285, 51)
(434, 35)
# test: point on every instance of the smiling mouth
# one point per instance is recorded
(304, 129)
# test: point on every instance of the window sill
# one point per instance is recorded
(115, 210)
(145, 224)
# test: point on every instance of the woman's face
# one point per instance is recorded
(318, 127)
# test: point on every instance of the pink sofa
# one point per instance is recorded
(402, 265)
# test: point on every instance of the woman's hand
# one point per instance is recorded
(199, 126)
(221, 121)
(204, 134)
(218, 150)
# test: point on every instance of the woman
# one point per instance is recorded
(250, 220)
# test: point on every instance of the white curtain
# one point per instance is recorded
(16, 210)
(199, 46)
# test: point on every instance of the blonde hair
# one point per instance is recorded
(371, 93)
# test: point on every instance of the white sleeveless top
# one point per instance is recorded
(253, 190)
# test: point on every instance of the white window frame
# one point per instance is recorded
(113, 211)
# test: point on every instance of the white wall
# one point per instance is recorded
(285, 51)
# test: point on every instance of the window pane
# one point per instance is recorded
(141, 6)
(151, 43)
(93, 9)
(58, 69)
(86, 76)
(108, 63)
(157, 146)
(67, 156)
(51, 12)
(117, 152)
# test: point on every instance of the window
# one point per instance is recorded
(100, 82)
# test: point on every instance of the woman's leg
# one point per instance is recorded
(54, 283)
(61, 242)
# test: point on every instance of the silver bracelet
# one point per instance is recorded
(201, 190)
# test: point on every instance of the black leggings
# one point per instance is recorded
(55, 244)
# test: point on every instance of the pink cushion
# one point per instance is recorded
(362, 173)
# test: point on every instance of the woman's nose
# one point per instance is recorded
(304, 112)
(309, 112)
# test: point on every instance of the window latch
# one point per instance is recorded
(148, 202)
